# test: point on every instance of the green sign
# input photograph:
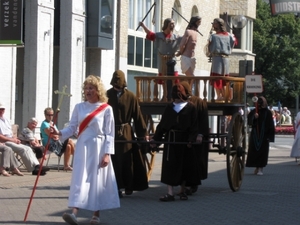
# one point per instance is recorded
(11, 22)
(284, 6)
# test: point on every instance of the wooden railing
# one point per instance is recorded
(148, 89)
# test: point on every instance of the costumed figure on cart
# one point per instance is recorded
(220, 46)
(167, 45)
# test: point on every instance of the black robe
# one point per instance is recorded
(262, 132)
(129, 167)
(179, 162)
(203, 128)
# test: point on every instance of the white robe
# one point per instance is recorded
(295, 153)
(92, 188)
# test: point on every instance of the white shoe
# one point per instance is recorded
(260, 173)
(70, 218)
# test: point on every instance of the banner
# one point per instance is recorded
(11, 22)
(284, 6)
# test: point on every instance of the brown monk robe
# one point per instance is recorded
(129, 168)
(203, 130)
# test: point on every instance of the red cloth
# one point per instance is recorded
(218, 84)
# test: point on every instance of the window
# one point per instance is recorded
(175, 15)
(141, 52)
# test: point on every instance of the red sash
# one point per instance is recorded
(87, 119)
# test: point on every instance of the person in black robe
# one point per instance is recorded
(262, 132)
(203, 136)
(177, 125)
(130, 169)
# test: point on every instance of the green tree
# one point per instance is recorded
(276, 43)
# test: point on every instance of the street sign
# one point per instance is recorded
(254, 83)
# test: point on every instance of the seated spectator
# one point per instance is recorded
(273, 115)
(286, 116)
(27, 137)
(9, 160)
(55, 145)
(25, 152)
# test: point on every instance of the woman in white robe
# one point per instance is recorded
(295, 153)
(93, 185)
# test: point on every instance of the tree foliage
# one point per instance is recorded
(276, 43)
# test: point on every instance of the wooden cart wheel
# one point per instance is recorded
(149, 157)
(236, 151)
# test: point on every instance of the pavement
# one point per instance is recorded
(269, 199)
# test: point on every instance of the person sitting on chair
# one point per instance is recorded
(27, 137)
(8, 161)
(25, 152)
(55, 145)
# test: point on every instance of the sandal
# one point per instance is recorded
(188, 191)
(95, 220)
(167, 198)
(182, 196)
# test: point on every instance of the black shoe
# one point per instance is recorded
(35, 172)
(43, 171)
(128, 191)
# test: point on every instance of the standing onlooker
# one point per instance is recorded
(187, 47)
(167, 44)
(25, 152)
(273, 115)
(8, 160)
(262, 132)
(55, 145)
(127, 161)
(27, 137)
(93, 185)
(220, 46)
(295, 152)
(179, 162)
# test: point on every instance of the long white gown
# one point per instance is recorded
(92, 188)
(295, 152)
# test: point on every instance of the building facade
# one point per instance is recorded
(64, 41)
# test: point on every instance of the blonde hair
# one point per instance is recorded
(98, 84)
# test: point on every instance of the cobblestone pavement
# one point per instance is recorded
(269, 199)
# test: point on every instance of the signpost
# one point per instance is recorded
(11, 22)
(254, 83)
(284, 6)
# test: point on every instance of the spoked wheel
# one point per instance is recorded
(236, 151)
(149, 159)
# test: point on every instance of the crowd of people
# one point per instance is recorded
(108, 125)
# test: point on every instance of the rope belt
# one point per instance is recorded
(121, 127)
(219, 54)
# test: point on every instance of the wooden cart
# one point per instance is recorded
(230, 140)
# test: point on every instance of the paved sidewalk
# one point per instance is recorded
(269, 199)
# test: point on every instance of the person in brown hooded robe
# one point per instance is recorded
(129, 168)
(203, 132)
(177, 125)
(262, 132)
